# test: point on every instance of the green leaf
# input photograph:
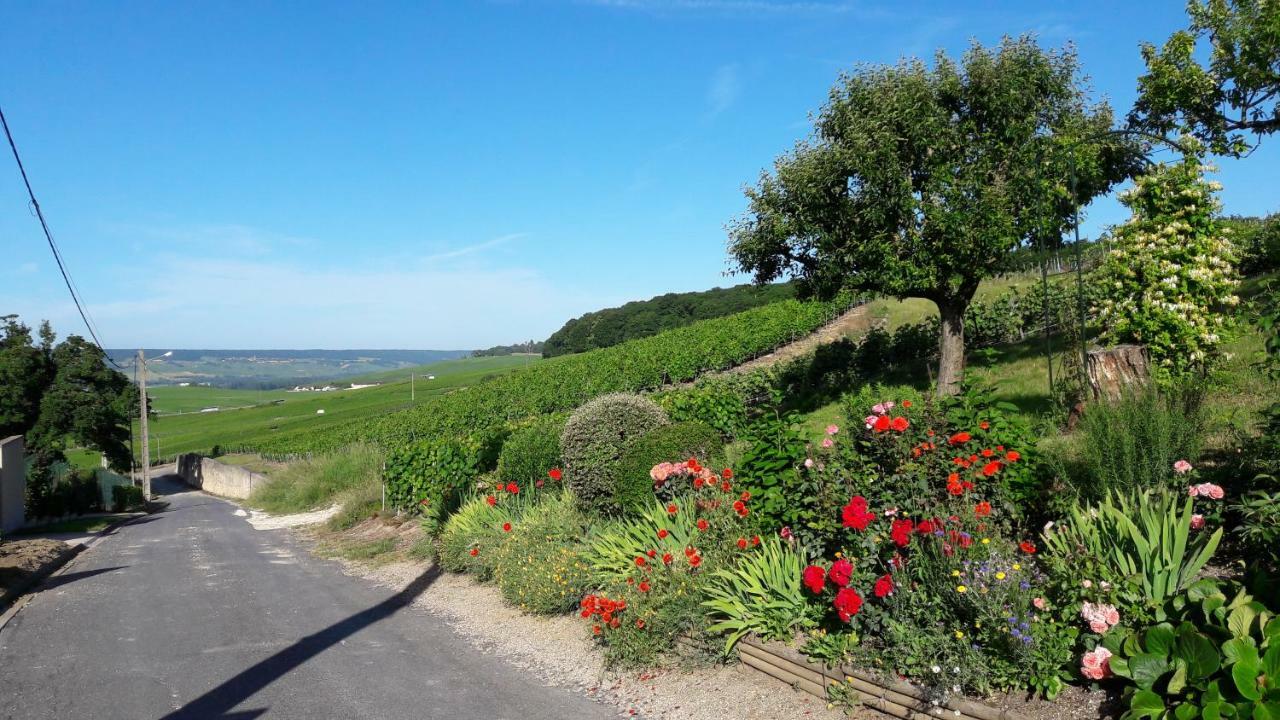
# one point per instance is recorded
(1146, 668)
(1186, 711)
(1245, 675)
(1199, 653)
(1178, 680)
(1237, 649)
(1271, 663)
(1159, 639)
(1146, 704)
(1240, 619)
(1266, 711)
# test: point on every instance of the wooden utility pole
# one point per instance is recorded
(146, 444)
(412, 394)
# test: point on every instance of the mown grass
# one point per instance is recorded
(232, 429)
(351, 477)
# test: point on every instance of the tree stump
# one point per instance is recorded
(1115, 372)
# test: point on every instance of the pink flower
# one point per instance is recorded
(1101, 616)
(1039, 603)
(1182, 466)
(808, 462)
(870, 420)
(826, 442)
(879, 409)
(1197, 522)
(1087, 584)
(833, 429)
(1194, 491)
(1096, 664)
(1211, 490)
(785, 533)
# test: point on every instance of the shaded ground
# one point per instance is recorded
(21, 559)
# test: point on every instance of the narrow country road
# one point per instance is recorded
(192, 613)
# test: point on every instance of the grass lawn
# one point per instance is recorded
(233, 428)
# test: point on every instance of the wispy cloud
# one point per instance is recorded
(724, 89)
(471, 249)
(227, 237)
(733, 7)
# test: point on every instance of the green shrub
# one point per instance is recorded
(633, 488)
(126, 497)
(429, 477)
(1132, 444)
(539, 565)
(593, 439)
(761, 594)
(531, 451)
(470, 538)
(1259, 528)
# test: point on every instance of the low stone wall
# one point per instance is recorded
(216, 478)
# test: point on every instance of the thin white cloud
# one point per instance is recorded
(470, 249)
(726, 85)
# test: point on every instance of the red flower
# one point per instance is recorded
(855, 514)
(693, 464)
(643, 587)
(703, 524)
(1012, 456)
(474, 552)
(841, 572)
(882, 424)
(1027, 547)
(982, 509)
(555, 474)
(739, 506)
(959, 438)
(755, 540)
(491, 500)
(513, 488)
(727, 474)
(955, 488)
(814, 578)
(901, 532)
(698, 483)
(651, 553)
(662, 533)
(883, 586)
(906, 403)
(424, 501)
(848, 602)
(925, 527)
(639, 561)
(725, 486)
(991, 468)
(506, 527)
(690, 551)
(984, 425)
(539, 484)
(742, 543)
(745, 496)
(666, 558)
(672, 509)
(695, 561)
(987, 452)
(639, 624)
(901, 424)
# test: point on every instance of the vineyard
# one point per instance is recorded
(564, 383)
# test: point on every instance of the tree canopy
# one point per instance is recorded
(920, 181)
(1221, 101)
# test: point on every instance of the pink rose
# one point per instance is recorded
(878, 408)
(1212, 491)
(808, 462)
(1096, 664)
(1197, 522)
(1194, 491)
(870, 420)
(1087, 584)
(1112, 615)
(1098, 626)
(833, 429)
(1039, 603)
(1181, 467)
(826, 442)
(785, 532)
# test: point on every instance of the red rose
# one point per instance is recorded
(848, 602)
(513, 488)
(925, 527)
(815, 578)
(1012, 456)
(883, 586)
(984, 425)
(906, 403)
(901, 424)
(555, 474)
(651, 553)
(726, 487)
(672, 509)
(695, 561)
(639, 561)
(901, 532)
(727, 474)
(882, 423)
(987, 452)
(703, 524)
(742, 543)
(491, 500)
(841, 572)
(666, 558)
(643, 587)
(662, 533)
(855, 514)
(755, 540)
(474, 552)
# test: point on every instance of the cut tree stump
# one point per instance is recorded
(1117, 371)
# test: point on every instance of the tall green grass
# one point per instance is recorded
(350, 477)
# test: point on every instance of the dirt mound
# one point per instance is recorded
(20, 559)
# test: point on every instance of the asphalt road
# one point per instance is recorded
(192, 613)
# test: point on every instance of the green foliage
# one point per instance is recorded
(1142, 543)
(593, 441)
(25, 370)
(760, 594)
(1259, 525)
(838, 213)
(430, 477)
(470, 538)
(531, 451)
(1169, 281)
(350, 477)
(1257, 242)
(642, 318)
(1221, 661)
(632, 486)
(1234, 93)
(1132, 444)
(539, 565)
(719, 401)
(126, 497)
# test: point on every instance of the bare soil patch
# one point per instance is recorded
(22, 559)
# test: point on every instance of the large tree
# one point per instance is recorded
(1236, 93)
(25, 370)
(919, 181)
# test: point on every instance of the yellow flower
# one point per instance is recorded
(1016, 566)
(986, 541)
(999, 576)
(961, 588)
(959, 635)
(955, 573)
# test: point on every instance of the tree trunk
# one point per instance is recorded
(951, 347)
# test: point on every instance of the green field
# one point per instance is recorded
(246, 415)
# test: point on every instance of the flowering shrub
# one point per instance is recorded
(1170, 273)
(634, 482)
(538, 565)
(470, 538)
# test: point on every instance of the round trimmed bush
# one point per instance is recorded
(531, 451)
(540, 565)
(632, 486)
(593, 439)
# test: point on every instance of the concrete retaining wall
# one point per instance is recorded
(13, 484)
(214, 477)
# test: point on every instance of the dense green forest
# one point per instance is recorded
(529, 346)
(609, 327)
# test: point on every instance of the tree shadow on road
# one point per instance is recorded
(217, 703)
(65, 578)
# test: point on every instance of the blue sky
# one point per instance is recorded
(441, 174)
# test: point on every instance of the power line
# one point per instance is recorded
(57, 256)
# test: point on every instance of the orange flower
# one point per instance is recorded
(991, 468)
(506, 527)
(984, 425)
(1012, 456)
(703, 524)
(662, 533)
(672, 509)
(982, 509)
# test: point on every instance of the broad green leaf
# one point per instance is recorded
(1146, 668)
(1178, 680)
(1240, 619)
(1159, 639)
(1245, 676)
(1237, 649)
(1146, 704)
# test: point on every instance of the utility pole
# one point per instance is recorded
(412, 391)
(146, 445)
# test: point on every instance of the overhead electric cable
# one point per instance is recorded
(57, 256)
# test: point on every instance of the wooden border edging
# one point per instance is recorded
(890, 696)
